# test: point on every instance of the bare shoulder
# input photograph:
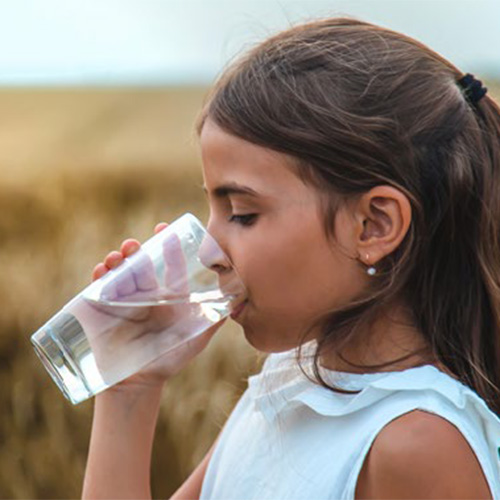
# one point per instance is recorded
(421, 455)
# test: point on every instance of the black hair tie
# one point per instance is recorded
(473, 89)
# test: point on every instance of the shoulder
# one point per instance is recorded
(421, 455)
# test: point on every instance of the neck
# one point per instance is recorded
(391, 343)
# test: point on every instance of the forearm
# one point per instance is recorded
(119, 460)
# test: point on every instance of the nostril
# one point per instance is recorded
(217, 268)
(220, 269)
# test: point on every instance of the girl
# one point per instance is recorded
(353, 178)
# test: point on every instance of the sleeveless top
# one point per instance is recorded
(290, 438)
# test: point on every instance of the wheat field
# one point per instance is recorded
(81, 170)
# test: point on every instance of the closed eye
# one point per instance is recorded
(243, 220)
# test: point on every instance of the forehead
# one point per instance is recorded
(229, 159)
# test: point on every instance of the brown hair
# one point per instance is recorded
(357, 105)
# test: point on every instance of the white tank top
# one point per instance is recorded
(289, 438)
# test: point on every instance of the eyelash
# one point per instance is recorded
(243, 220)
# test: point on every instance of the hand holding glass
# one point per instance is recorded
(177, 285)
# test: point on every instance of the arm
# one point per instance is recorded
(421, 455)
(119, 460)
(125, 416)
(118, 464)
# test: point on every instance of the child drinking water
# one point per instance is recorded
(353, 179)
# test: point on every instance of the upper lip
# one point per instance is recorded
(235, 288)
(231, 282)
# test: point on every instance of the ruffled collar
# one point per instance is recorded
(282, 385)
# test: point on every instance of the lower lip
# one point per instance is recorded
(238, 310)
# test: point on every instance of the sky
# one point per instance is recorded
(161, 42)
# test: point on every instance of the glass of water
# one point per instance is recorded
(166, 293)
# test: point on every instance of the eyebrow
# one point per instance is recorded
(232, 188)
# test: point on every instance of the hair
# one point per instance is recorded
(356, 105)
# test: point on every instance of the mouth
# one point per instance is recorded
(238, 309)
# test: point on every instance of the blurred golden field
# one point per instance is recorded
(80, 170)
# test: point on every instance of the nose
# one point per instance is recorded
(212, 256)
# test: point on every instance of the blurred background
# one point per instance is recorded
(97, 104)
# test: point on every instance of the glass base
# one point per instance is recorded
(58, 362)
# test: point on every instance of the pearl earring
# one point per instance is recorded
(371, 270)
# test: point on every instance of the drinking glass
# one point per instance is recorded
(177, 285)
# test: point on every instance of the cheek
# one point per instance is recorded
(296, 274)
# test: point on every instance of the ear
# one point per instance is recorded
(383, 217)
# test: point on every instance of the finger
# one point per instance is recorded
(113, 259)
(121, 284)
(138, 273)
(129, 247)
(175, 265)
(125, 283)
(144, 272)
(141, 266)
(99, 270)
(160, 227)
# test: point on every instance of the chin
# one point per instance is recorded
(267, 342)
